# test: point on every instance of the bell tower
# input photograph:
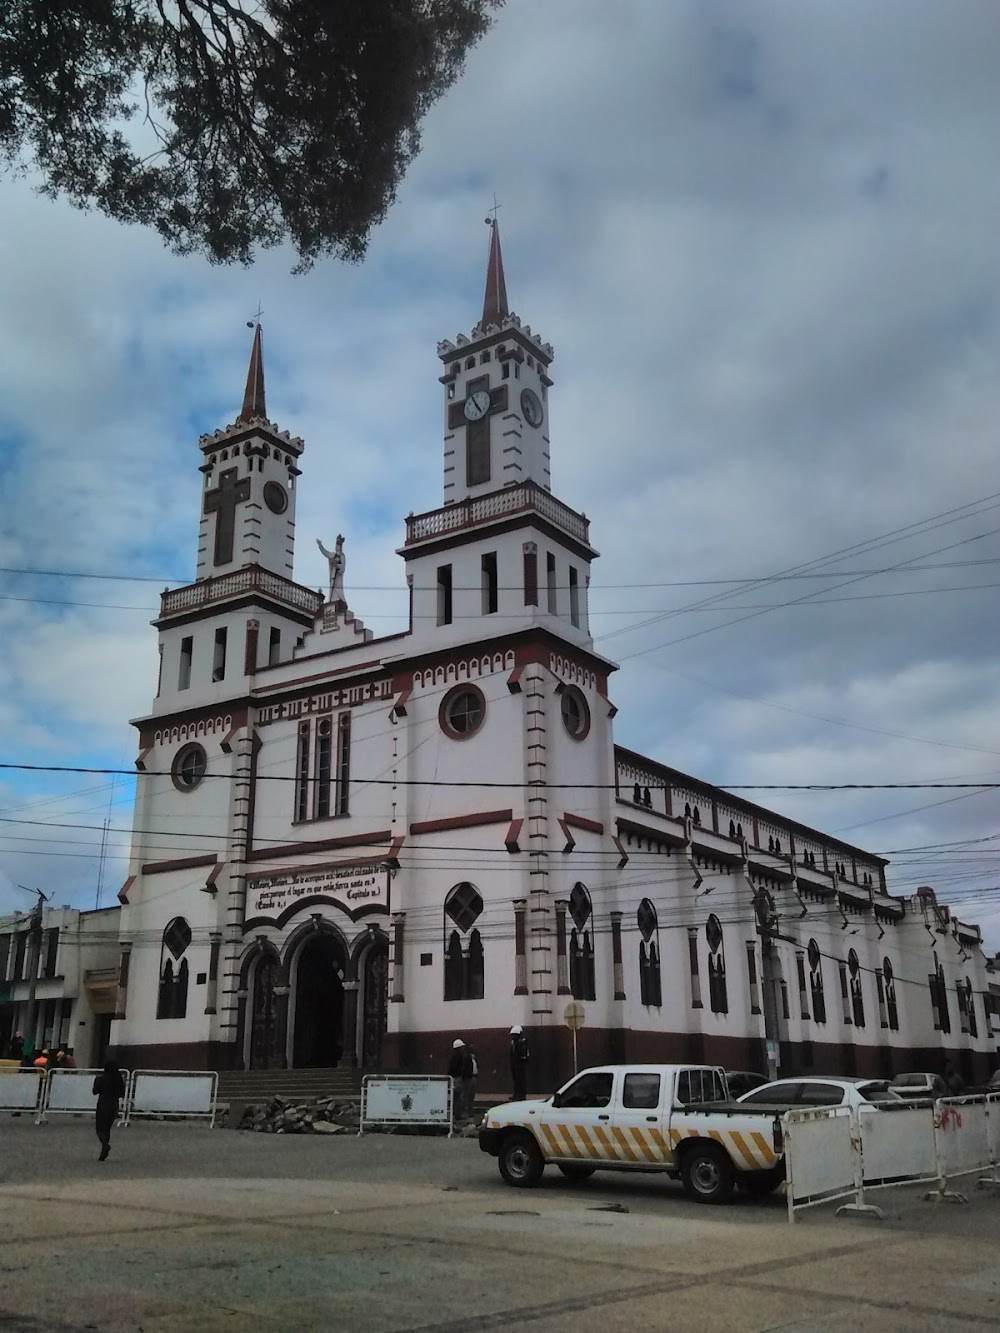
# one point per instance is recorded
(496, 385)
(248, 504)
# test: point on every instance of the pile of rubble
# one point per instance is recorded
(325, 1116)
(281, 1116)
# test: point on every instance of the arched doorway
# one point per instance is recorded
(318, 1041)
(265, 1033)
(375, 1001)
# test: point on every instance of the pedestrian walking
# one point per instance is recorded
(519, 1057)
(471, 1079)
(109, 1089)
(460, 1069)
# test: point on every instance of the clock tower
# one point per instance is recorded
(496, 385)
(248, 505)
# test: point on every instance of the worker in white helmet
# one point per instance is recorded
(519, 1057)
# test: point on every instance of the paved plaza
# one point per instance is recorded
(185, 1229)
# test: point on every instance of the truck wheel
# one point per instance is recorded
(520, 1161)
(574, 1172)
(707, 1173)
(761, 1183)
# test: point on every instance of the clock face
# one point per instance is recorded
(477, 405)
(275, 497)
(531, 407)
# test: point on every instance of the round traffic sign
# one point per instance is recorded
(574, 1015)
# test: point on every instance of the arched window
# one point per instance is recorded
(889, 981)
(857, 994)
(939, 998)
(649, 954)
(484, 357)
(717, 994)
(171, 1001)
(816, 982)
(581, 945)
(970, 1006)
(464, 975)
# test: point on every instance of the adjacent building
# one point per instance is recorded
(73, 962)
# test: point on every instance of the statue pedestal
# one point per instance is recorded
(333, 613)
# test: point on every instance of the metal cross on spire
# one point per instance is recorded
(255, 322)
(490, 221)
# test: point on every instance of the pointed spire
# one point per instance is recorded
(495, 309)
(253, 398)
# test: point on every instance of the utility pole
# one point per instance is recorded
(34, 953)
(764, 910)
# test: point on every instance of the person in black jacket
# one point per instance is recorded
(460, 1069)
(519, 1057)
(109, 1089)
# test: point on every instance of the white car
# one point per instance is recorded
(789, 1093)
(920, 1085)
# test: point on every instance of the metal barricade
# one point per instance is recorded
(175, 1092)
(71, 1092)
(21, 1089)
(961, 1142)
(993, 1137)
(820, 1156)
(897, 1145)
(407, 1099)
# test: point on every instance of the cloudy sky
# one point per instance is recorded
(762, 239)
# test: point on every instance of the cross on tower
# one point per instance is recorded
(481, 403)
(222, 502)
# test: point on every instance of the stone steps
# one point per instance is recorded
(301, 1084)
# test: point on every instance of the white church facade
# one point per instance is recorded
(347, 850)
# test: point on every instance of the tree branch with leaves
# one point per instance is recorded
(229, 127)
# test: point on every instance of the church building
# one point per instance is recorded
(348, 850)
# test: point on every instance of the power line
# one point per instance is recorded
(890, 538)
(149, 609)
(511, 786)
(778, 606)
(760, 580)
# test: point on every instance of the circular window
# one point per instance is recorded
(575, 713)
(189, 767)
(462, 712)
(275, 497)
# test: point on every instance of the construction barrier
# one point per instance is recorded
(910, 1144)
(406, 1099)
(820, 1156)
(993, 1130)
(175, 1092)
(962, 1141)
(897, 1145)
(71, 1092)
(20, 1089)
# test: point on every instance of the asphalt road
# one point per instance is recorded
(185, 1228)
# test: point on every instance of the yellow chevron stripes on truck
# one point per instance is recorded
(636, 1145)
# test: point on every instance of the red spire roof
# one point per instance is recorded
(253, 398)
(495, 308)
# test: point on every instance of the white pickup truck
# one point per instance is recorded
(672, 1118)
